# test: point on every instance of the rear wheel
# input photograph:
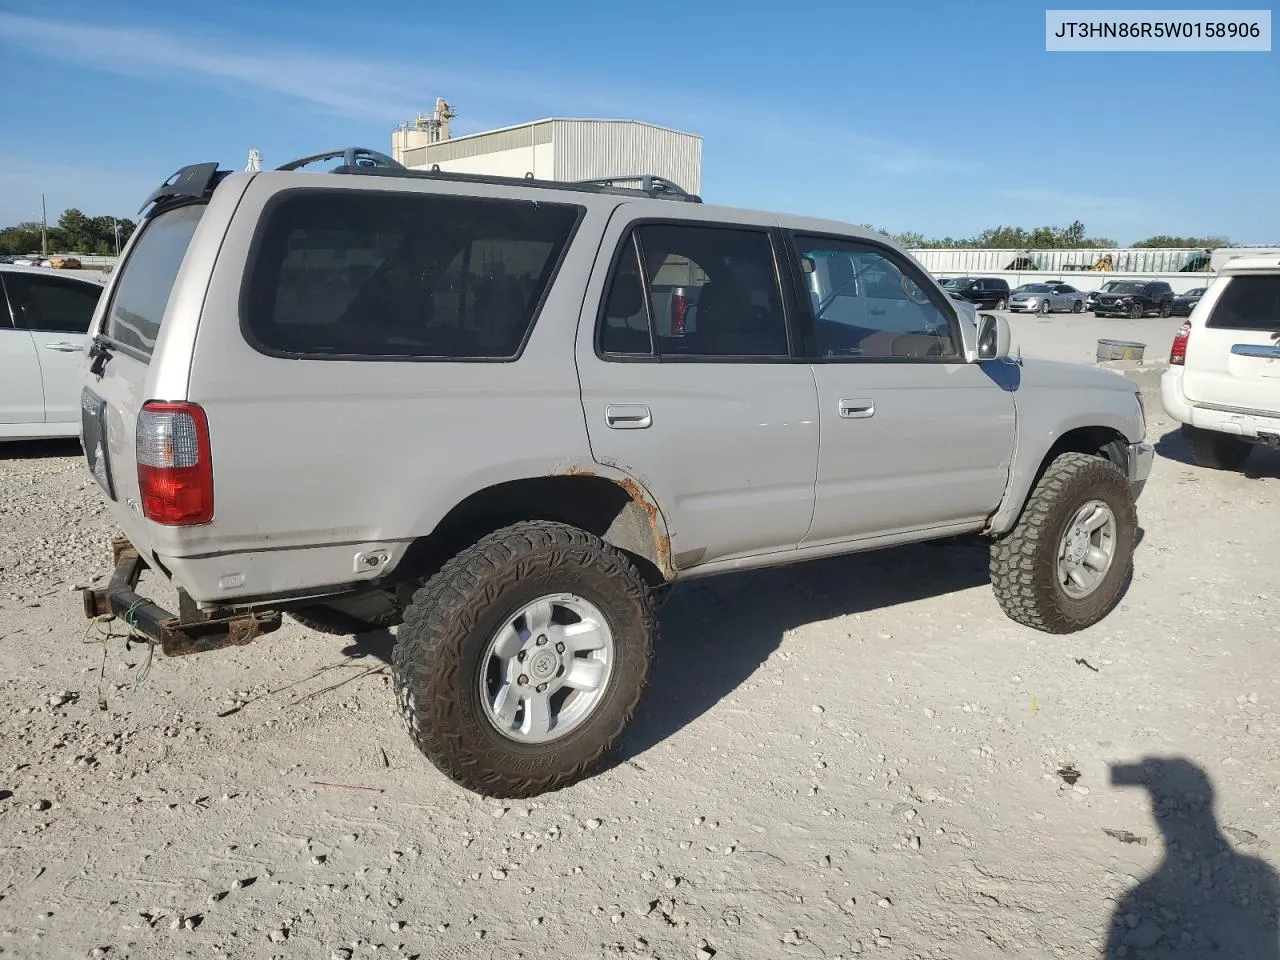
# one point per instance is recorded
(1001, 304)
(1166, 309)
(1217, 451)
(520, 664)
(1064, 565)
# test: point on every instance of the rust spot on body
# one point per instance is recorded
(661, 541)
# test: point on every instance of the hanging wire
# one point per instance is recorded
(102, 624)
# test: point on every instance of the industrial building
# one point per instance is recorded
(552, 149)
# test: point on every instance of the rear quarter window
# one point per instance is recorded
(373, 274)
(147, 277)
(1248, 303)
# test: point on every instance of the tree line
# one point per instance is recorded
(1072, 237)
(73, 233)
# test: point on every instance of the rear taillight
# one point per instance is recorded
(175, 469)
(1178, 352)
(679, 310)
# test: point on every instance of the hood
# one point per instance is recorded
(1038, 373)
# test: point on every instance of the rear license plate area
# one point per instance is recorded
(93, 433)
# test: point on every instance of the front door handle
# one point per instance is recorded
(857, 409)
(63, 347)
(628, 416)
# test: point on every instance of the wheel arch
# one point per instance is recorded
(1092, 439)
(606, 503)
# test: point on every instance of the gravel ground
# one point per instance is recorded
(854, 756)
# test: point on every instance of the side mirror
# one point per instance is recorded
(993, 337)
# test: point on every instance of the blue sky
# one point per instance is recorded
(914, 116)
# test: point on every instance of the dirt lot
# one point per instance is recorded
(855, 756)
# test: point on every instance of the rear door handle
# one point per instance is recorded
(64, 347)
(628, 416)
(857, 409)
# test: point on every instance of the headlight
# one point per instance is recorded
(1031, 301)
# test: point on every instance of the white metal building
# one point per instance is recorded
(553, 149)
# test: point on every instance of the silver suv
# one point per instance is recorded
(504, 414)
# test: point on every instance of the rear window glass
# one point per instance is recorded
(379, 274)
(142, 291)
(1248, 303)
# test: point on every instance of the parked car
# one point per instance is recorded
(989, 292)
(1134, 299)
(1223, 381)
(1046, 298)
(446, 401)
(1184, 303)
(44, 319)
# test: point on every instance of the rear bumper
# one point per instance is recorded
(189, 632)
(1238, 423)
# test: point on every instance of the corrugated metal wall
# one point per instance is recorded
(462, 148)
(595, 149)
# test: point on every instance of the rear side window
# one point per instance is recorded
(375, 274)
(146, 280)
(52, 304)
(1248, 303)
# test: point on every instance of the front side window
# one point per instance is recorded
(866, 305)
(52, 305)
(687, 291)
(1248, 303)
(379, 274)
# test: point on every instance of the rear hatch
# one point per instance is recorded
(141, 352)
(1233, 358)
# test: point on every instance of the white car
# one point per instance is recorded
(1223, 381)
(44, 319)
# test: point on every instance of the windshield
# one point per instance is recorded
(1122, 286)
(952, 281)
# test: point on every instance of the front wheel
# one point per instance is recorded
(1216, 451)
(1077, 306)
(1135, 311)
(1065, 564)
(520, 664)
(1043, 309)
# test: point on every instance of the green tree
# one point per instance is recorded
(1161, 240)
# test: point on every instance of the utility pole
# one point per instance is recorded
(44, 232)
(115, 229)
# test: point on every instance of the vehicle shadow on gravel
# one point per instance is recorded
(1204, 899)
(39, 449)
(1263, 462)
(717, 632)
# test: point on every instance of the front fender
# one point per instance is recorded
(1053, 400)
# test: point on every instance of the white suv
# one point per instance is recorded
(1223, 381)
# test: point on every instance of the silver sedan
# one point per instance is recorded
(1046, 298)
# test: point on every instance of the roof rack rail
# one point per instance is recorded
(362, 160)
(354, 160)
(647, 183)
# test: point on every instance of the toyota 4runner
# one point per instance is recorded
(488, 411)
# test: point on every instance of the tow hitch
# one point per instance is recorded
(191, 631)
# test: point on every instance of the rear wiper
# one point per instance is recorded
(100, 352)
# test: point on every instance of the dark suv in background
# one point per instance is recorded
(1134, 299)
(984, 291)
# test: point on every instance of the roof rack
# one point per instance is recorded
(197, 180)
(354, 160)
(363, 161)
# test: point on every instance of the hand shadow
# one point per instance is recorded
(1204, 900)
